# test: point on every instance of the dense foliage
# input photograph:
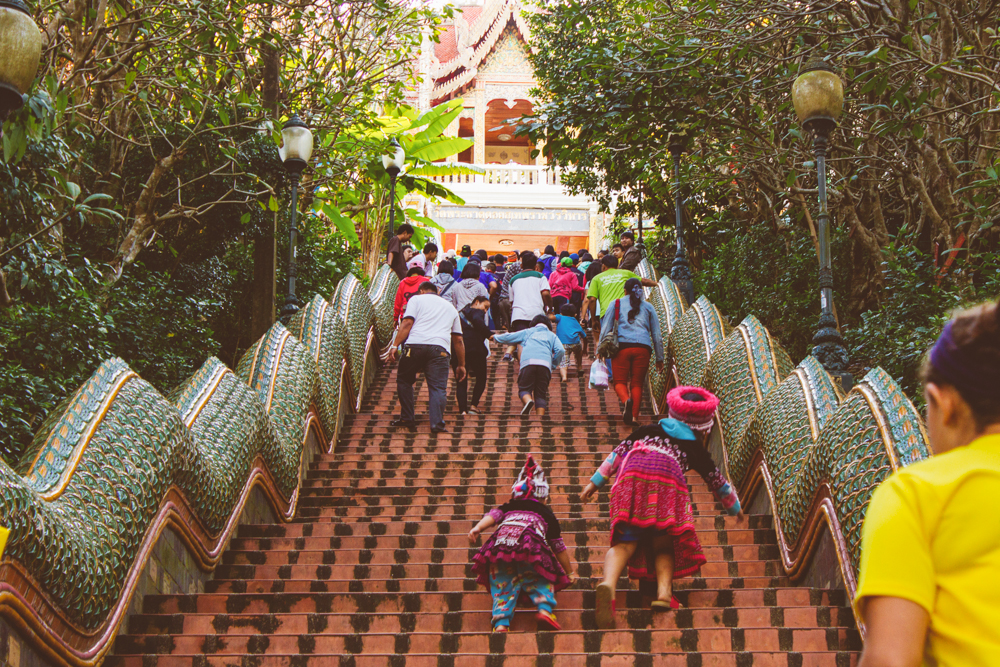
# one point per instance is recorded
(914, 189)
(143, 171)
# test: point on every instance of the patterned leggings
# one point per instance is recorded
(508, 581)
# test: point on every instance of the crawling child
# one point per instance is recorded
(525, 554)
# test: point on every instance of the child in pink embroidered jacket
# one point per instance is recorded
(652, 524)
(526, 554)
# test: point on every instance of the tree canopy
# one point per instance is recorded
(914, 163)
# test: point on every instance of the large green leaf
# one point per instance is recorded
(343, 224)
(438, 150)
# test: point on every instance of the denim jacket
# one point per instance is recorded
(645, 329)
(541, 347)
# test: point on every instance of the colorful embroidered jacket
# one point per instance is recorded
(516, 516)
(682, 447)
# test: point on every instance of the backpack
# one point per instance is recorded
(608, 345)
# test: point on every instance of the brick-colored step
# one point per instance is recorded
(375, 569)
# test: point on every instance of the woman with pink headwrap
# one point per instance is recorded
(652, 526)
(526, 554)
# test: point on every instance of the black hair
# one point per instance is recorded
(446, 266)
(471, 270)
(568, 309)
(430, 247)
(428, 287)
(693, 396)
(499, 259)
(564, 253)
(976, 334)
(491, 267)
(582, 251)
(480, 299)
(627, 235)
(404, 228)
(610, 261)
(528, 260)
(549, 250)
(635, 301)
(618, 245)
(541, 319)
(416, 271)
(586, 257)
(482, 255)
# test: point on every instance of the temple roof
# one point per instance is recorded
(470, 39)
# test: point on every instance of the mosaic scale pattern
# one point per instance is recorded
(118, 460)
(791, 429)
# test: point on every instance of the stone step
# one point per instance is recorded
(515, 644)
(425, 541)
(407, 582)
(371, 527)
(436, 659)
(435, 601)
(342, 570)
(524, 621)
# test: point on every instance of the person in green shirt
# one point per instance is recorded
(606, 288)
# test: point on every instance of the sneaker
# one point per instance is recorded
(508, 357)
(605, 607)
(527, 408)
(547, 620)
(627, 412)
(438, 429)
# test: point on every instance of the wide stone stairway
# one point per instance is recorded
(376, 568)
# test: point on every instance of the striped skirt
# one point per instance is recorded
(650, 498)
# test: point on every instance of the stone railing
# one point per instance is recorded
(119, 466)
(507, 174)
(795, 445)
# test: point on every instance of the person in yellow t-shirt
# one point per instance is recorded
(929, 581)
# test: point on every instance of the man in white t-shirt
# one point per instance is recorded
(529, 297)
(425, 260)
(432, 331)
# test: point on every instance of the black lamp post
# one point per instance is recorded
(20, 51)
(393, 163)
(295, 153)
(680, 272)
(818, 97)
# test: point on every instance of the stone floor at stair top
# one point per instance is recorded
(375, 569)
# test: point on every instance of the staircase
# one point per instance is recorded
(375, 569)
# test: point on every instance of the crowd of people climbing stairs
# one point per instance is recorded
(928, 586)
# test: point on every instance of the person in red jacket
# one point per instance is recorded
(408, 286)
(563, 283)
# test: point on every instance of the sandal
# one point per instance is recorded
(660, 605)
(473, 411)
(548, 618)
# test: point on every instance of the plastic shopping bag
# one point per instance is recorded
(599, 375)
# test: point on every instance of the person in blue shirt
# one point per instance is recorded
(572, 336)
(540, 350)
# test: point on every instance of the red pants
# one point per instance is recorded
(630, 366)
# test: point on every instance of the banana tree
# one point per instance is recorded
(360, 209)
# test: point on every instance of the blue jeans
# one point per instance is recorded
(434, 362)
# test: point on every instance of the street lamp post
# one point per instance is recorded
(818, 97)
(20, 51)
(393, 163)
(680, 272)
(295, 153)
